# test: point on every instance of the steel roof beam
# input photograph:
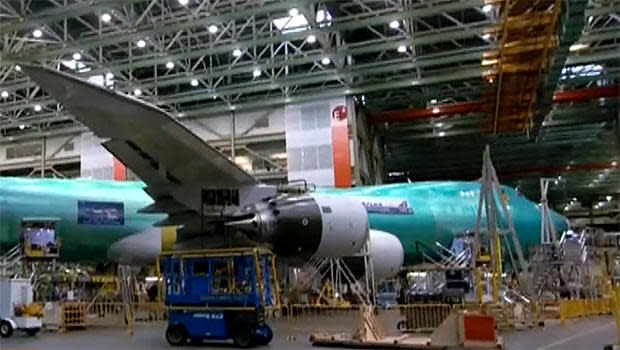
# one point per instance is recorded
(59, 13)
(178, 24)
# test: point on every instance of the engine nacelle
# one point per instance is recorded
(298, 227)
(387, 254)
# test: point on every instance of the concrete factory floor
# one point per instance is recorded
(586, 334)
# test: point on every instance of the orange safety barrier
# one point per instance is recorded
(72, 315)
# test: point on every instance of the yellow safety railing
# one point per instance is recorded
(423, 317)
(144, 311)
(584, 307)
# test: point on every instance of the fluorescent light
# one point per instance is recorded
(486, 36)
(488, 62)
(170, 65)
(435, 110)
(77, 56)
(22, 126)
(433, 101)
(109, 75)
(441, 133)
(487, 8)
(4, 94)
(236, 52)
(137, 92)
(37, 108)
(194, 82)
(325, 61)
(18, 68)
(256, 73)
(141, 43)
(290, 24)
(402, 49)
(578, 46)
(183, 2)
(213, 29)
(311, 39)
(282, 155)
(394, 24)
(293, 12)
(106, 17)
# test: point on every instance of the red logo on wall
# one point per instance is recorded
(339, 113)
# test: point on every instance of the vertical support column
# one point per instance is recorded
(340, 147)
(232, 136)
(43, 154)
(119, 171)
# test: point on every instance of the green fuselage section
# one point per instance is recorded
(425, 212)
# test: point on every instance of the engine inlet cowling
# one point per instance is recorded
(298, 227)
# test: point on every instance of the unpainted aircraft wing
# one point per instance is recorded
(175, 164)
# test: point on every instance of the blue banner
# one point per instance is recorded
(101, 213)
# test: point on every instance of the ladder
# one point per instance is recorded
(10, 262)
(127, 290)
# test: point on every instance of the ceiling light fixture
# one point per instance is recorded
(37, 108)
(394, 24)
(487, 8)
(402, 49)
(106, 17)
(311, 39)
(325, 61)
(141, 43)
(435, 110)
(137, 92)
(256, 73)
(4, 94)
(37, 33)
(213, 29)
(77, 56)
(194, 82)
(22, 126)
(236, 52)
(183, 2)
(170, 65)
(293, 12)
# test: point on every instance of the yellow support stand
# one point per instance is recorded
(497, 267)
(615, 297)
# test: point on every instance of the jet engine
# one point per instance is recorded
(387, 254)
(297, 227)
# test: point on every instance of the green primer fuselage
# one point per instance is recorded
(429, 212)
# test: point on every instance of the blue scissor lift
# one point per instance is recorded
(219, 295)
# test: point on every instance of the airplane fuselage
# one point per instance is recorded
(91, 214)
